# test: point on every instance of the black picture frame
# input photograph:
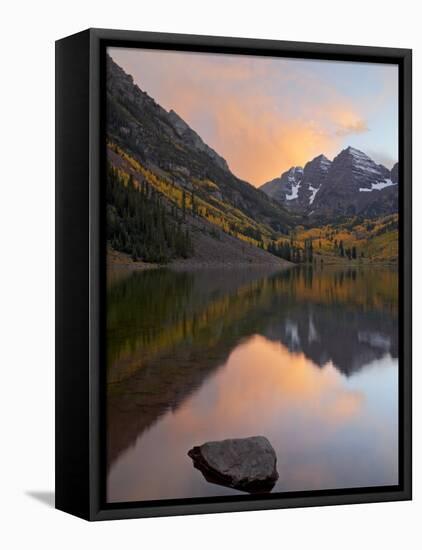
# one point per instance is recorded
(80, 272)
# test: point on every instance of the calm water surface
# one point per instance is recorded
(306, 357)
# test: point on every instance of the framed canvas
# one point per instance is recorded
(233, 274)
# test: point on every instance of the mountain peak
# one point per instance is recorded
(294, 170)
(358, 161)
(348, 185)
(354, 153)
(322, 158)
(319, 163)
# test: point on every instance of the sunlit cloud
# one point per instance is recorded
(353, 127)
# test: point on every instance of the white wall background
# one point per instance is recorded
(27, 36)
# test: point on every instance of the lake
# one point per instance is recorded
(307, 357)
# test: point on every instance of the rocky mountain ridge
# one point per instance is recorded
(351, 184)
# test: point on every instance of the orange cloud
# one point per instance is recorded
(349, 122)
(259, 139)
(260, 143)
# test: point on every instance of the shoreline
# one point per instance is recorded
(120, 260)
(176, 266)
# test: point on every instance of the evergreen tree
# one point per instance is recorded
(184, 204)
(139, 224)
(193, 203)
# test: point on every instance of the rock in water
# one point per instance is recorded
(247, 464)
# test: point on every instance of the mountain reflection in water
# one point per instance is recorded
(306, 357)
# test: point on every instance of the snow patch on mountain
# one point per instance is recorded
(294, 193)
(377, 186)
(294, 178)
(314, 191)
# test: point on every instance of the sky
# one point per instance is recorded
(266, 114)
